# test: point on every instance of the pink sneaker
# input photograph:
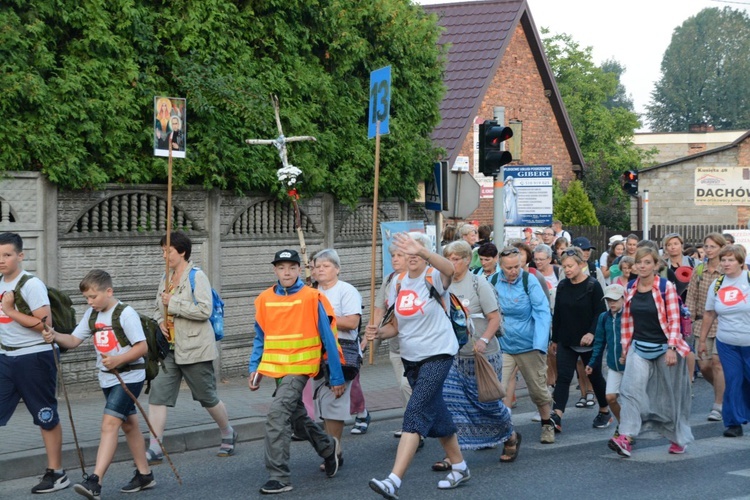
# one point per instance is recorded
(621, 445)
(676, 449)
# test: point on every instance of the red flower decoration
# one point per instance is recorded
(293, 194)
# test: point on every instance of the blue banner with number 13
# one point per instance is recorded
(380, 101)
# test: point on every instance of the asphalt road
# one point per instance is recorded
(579, 465)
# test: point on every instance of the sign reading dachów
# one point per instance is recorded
(722, 185)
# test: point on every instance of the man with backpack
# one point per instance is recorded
(183, 316)
(27, 366)
(527, 326)
(126, 355)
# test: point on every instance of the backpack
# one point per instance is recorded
(158, 346)
(524, 279)
(217, 310)
(720, 280)
(459, 317)
(475, 282)
(686, 324)
(63, 314)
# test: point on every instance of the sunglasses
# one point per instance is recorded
(509, 251)
(672, 235)
(569, 252)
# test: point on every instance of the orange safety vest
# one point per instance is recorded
(292, 344)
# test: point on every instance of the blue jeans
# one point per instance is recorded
(119, 404)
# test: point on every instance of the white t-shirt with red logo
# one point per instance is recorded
(732, 305)
(34, 292)
(105, 342)
(424, 327)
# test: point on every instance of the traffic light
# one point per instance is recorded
(629, 182)
(491, 154)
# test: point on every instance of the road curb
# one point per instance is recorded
(31, 463)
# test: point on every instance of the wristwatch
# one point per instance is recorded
(484, 340)
(673, 348)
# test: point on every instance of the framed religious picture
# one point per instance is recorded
(170, 126)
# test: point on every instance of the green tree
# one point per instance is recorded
(603, 120)
(621, 98)
(79, 77)
(705, 74)
(575, 208)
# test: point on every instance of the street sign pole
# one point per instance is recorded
(498, 209)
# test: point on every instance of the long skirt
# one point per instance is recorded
(656, 398)
(480, 425)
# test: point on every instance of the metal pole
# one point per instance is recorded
(498, 209)
(645, 215)
(457, 192)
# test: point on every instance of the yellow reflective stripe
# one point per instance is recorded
(293, 335)
(290, 358)
(283, 370)
(291, 344)
(284, 304)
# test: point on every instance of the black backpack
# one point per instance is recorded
(158, 346)
(63, 314)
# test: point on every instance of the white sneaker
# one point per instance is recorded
(714, 416)
(536, 418)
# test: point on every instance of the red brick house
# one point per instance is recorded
(496, 58)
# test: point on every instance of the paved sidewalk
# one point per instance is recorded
(189, 426)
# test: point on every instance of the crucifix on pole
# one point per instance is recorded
(287, 175)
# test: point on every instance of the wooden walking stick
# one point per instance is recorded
(56, 356)
(148, 422)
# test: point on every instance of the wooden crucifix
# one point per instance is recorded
(288, 174)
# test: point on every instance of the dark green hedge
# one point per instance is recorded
(78, 79)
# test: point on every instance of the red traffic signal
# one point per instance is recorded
(491, 154)
(629, 182)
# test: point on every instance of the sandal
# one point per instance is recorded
(454, 479)
(227, 446)
(590, 399)
(361, 424)
(442, 466)
(515, 446)
(581, 403)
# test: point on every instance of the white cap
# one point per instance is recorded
(614, 292)
(615, 238)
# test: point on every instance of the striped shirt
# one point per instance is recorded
(669, 317)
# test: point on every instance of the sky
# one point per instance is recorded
(635, 33)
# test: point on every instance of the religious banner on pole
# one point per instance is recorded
(170, 126)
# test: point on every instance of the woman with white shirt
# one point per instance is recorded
(480, 425)
(428, 345)
(727, 300)
(347, 306)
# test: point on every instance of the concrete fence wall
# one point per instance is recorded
(68, 233)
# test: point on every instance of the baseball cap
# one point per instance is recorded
(614, 292)
(286, 256)
(582, 243)
(615, 238)
(528, 230)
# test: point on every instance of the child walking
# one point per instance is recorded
(607, 337)
(120, 344)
